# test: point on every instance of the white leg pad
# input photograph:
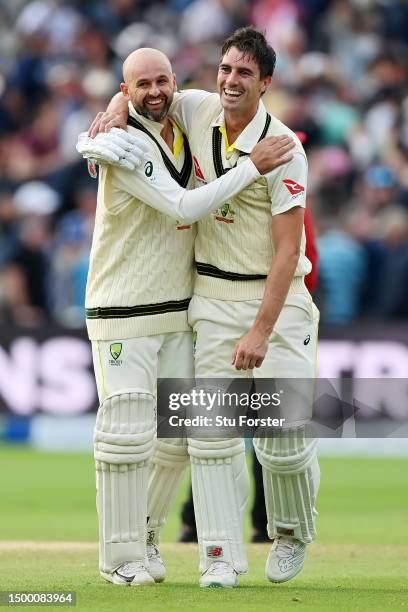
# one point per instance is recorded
(220, 490)
(291, 480)
(123, 443)
(167, 465)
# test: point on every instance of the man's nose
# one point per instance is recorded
(154, 90)
(232, 78)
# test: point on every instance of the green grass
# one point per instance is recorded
(360, 561)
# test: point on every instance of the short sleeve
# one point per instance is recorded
(287, 185)
(185, 105)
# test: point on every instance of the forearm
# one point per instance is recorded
(198, 203)
(165, 195)
(118, 104)
(277, 286)
(116, 115)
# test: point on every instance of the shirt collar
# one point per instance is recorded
(155, 127)
(250, 135)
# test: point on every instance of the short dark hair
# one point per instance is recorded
(253, 43)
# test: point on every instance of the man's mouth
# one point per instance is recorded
(154, 103)
(232, 94)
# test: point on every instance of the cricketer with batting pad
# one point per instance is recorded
(138, 291)
(250, 309)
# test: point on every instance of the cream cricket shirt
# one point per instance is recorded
(234, 247)
(141, 264)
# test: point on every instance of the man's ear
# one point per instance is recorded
(174, 81)
(125, 90)
(265, 82)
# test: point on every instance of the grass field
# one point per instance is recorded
(360, 561)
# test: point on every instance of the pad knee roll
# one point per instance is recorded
(290, 452)
(125, 428)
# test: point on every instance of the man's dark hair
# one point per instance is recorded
(253, 44)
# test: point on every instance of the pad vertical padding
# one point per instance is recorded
(167, 465)
(291, 482)
(220, 489)
(124, 437)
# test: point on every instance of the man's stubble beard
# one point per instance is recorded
(155, 115)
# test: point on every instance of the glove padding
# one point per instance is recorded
(116, 148)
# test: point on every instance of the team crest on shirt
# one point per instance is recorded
(115, 350)
(225, 214)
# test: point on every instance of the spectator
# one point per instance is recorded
(340, 80)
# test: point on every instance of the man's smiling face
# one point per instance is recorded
(149, 83)
(152, 94)
(239, 83)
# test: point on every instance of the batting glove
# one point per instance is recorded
(117, 148)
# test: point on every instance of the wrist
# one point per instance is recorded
(254, 169)
(263, 328)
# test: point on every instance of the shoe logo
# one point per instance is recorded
(214, 552)
(306, 340)
(293, 187)
(285, 565)
(115, 350)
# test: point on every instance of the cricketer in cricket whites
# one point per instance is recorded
(139, 288)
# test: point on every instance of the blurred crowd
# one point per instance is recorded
(341, 80)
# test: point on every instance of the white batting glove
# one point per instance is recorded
(117, 148)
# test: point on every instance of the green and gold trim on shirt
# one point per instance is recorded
(209, 270)
(125, 312)
(181, 177)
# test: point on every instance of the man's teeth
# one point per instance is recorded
(232, 92)
(155, 101)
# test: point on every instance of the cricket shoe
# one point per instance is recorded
(131, 573)
(157, 569)
(219, 574)
(285, 559)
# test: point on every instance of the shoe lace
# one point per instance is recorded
(218, 567)
(130, 568)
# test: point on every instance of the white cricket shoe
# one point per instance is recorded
(285, 559)
(219, 574)
(157, 569)
(131, 573)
